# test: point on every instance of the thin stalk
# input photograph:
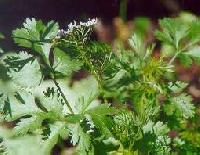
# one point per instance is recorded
(90, 65)
(174, 57)
(123, 9)
(63, 95)
(56, 84)
(183, 49)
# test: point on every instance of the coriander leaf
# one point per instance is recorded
(22, 145)
(177, 87)
(160, 129)
(99, 117)
(137, 44)
(34, 33)
(63, 64)
(23, 69)
(37, 36)
(194, 31)
(27, 125)
(185, 59)
(29, 76)
(16, 61)
(173, 31)
(50, 31)
(20, 109)
(194, 52)
(81, 138)
(103, 110)
(183, 106)
(148, 127)
(57, 130)
(10, 145)
(29, 35)
(85, 93)
(8, 91)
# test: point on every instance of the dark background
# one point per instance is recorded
(13, 12)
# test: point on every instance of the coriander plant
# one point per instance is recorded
(128, 103)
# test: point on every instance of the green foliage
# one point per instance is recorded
(180, 36)
(125, 105)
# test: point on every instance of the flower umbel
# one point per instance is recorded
(81, 29)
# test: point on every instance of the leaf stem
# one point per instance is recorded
(174, 57)
(63, 95)
(179, 51)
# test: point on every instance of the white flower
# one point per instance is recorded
(61, 33)
(74, 25)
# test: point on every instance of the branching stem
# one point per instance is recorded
(174, 57)
(90, 65)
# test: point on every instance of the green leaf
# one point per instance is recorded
(194, 31)
(29, 35)
(99, 118)
(7, 91)
(194, 52)
(177, 87)
(37, 36)
(35, 33)
(183, 106)
(23, 69)
(185, 59)
(85, 93)
(137, 44)
(58, 129)
(10, 145)
(23, 145)
(160, 129)
(117, 77)
(50, 31)
(173, 31)
(29, 76)
(148, 127)
(81, 138)
(26, 108)
(73, 119)
(28, 125)
(63, 64)
(103, 110)
(53, 105)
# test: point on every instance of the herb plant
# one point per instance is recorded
(129, 102)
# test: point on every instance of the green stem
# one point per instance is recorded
(123, 9)
(174, 57)
(63, 96)
(90, 65)
(183, 49)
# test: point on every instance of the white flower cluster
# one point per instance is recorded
(60, 34)
(74, 25)
(90, 22)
